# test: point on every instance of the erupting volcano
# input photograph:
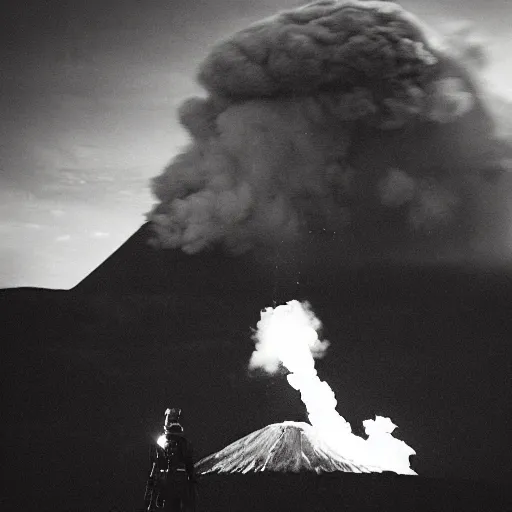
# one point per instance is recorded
(287, 336)
(288, 447)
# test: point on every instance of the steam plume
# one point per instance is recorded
(287, 336)
(326, 118)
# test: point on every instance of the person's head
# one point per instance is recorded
(172, 421)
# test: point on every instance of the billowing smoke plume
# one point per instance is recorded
(467, 46)
(287, 337)
(293, 341)
(330, 118)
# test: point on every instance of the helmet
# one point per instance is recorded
(172, 415)
(172, 420)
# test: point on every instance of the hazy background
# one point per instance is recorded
(89, 91)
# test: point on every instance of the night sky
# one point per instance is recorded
(89, 95)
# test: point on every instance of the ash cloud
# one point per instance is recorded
(326, 118)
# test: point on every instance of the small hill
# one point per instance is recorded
(288, 447)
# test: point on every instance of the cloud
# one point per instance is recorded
(333, 117)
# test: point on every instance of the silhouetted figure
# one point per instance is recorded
(170, 487)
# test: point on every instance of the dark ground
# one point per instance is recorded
(347, 491)
(87, 374)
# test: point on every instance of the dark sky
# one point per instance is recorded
(89, 94)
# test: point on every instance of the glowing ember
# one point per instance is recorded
(287, 335)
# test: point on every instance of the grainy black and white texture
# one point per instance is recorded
(350, 118)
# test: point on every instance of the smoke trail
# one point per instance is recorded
(324, 118)
(287, 335)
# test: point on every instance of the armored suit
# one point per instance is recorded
(171, 482)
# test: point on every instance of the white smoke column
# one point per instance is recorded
(288, 335)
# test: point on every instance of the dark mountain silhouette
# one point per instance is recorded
(87, 372)
(136, 267)
(288, 447)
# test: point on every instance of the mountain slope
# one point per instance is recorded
(281, 447)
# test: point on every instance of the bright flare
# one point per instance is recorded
(287, 336)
